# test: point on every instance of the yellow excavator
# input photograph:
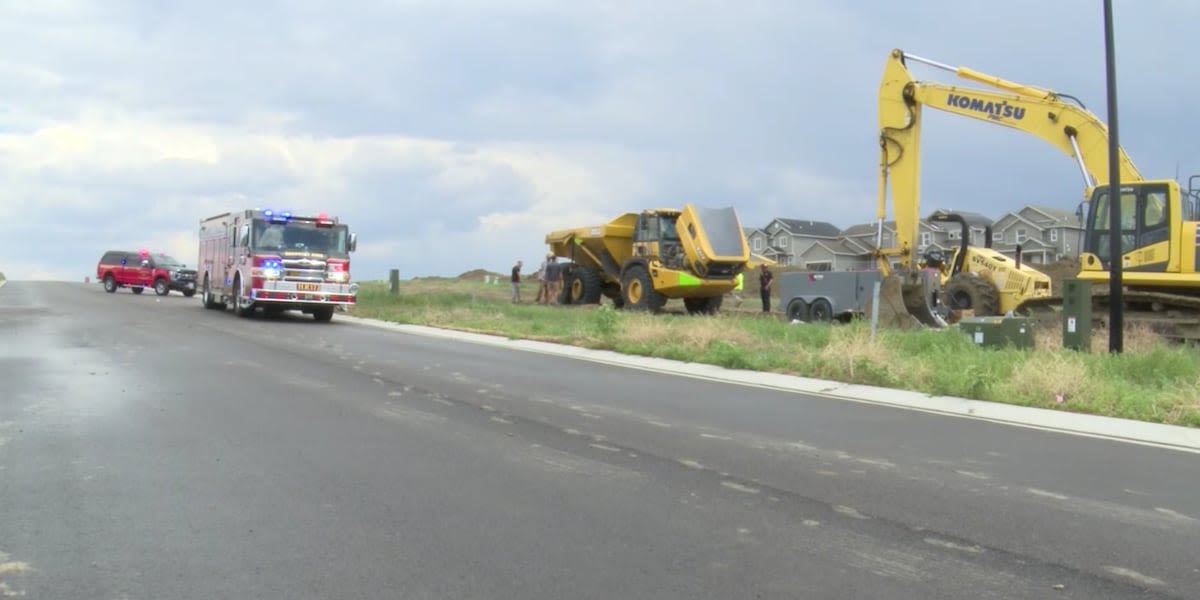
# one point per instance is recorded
(1159, 251)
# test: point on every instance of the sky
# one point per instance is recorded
(454, 134)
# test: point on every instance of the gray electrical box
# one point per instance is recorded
(1015, 332)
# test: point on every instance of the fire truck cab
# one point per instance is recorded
(277, 261)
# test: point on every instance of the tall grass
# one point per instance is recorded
(1150, 381)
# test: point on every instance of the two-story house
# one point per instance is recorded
(1044, 234)
(796, 242)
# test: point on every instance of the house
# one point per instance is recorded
(1044, 234)
(793, 242)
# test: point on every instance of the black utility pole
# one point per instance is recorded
(1116, 316)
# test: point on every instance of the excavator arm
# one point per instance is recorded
(1048, 115)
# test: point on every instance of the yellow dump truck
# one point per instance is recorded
(641, 260)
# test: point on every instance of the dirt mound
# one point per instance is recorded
(1066, 268)
(477, 274)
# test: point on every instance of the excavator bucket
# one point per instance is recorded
(905, 301)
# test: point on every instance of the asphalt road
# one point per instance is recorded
(150, 449)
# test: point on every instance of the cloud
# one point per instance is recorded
(455, 135)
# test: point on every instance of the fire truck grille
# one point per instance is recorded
(303, 269)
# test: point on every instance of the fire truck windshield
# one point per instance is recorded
(297, 236)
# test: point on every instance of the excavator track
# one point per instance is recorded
(1175, 317)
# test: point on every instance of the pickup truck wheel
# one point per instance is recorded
(821, 311)
(323, 314)
(139, 289)
(160, 287)
(110, 284)
(797, 310)
(639, 291)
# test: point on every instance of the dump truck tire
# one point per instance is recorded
(639, 292)
(613, 292)
(713, 305)
(703, 306)
(583, 286)
(969, 291)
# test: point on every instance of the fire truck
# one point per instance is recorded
(276, 261)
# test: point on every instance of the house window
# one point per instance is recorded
(781, 241)
(1022, 235)
(1053, 235)
(758, 244)
(924, 238)
(998, 236)
(819, 266)
(954, 235)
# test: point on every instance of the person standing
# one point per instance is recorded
(516, 283)
(765, 279)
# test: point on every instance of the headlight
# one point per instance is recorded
(271, 269)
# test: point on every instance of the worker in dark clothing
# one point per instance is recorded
(765, 280)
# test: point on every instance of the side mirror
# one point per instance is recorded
(353, 242)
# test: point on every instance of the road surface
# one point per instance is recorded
(152, 449)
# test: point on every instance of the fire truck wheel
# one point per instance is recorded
(160, 287)
(189, 293)
(207, 297)
(239, 308)
(323, 314)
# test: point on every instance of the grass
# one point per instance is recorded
(1150, 381)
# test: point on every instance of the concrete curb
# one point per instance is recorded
(1172, 437)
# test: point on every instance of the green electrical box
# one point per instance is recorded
(999, 331)
(1077, 314)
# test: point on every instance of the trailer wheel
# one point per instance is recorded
(639, 292)
(820, 311)
(240, 308)
(323, 314)
(160, 287)
(969, 291)
(583, 286)
(110, 284)
(797, 310)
